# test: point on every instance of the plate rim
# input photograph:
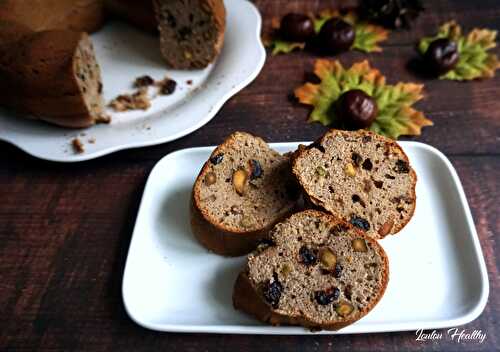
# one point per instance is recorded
(210, 114)
(258, 329)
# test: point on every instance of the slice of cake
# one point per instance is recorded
(315, 271)
(241, 192)
(54, 76)
(362, 177)
(191, 31)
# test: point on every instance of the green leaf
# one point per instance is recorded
(283, 47)
(396, 116)
(474, 59)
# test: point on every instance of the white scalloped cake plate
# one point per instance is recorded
(438, 276)
(125, 53)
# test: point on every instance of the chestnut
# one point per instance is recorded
(296, 27)
(336, 35)
(357, 109)
(442, 56)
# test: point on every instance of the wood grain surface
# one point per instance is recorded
(65, 229)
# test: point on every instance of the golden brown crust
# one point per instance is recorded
(138, 13)
(44, 88)
(42, 15)
(218, 237)
(317, 204)
(247, 299)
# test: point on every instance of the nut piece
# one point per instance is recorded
(246, 221)
(320, 171)
(359, 245)
(344, 309)
(328, 258)
(349, 170)
(239, 181)
(386, 227)
(285, 269)
(210, 178)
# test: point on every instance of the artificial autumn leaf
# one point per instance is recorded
(396, 116)
(279, 46)
(474, 60)
(367, 35)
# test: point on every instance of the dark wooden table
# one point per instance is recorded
(65, 229)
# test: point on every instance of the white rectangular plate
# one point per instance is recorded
(437, 272)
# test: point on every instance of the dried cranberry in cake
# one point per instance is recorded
(361, 223)
(272, 291)
(337, 272)
(255, 169)
(217, 158)
(307, 256)
(402, 167)
(356, 159)
(327, 296)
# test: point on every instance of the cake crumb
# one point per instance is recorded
(143, 81)
(103, 118)
(77, 145)
(136, 101)
(166, 86)
(91, 140)
(189, 82)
